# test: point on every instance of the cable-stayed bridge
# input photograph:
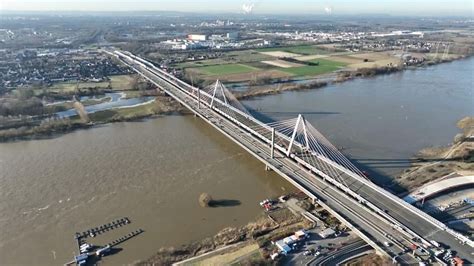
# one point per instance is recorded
(297, 151)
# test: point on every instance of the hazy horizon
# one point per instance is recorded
(335, 7)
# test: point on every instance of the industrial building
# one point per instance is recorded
(326, 233)
(233, 35)
(197, 37)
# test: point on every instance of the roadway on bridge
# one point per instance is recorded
(369, 224)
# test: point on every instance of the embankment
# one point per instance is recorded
(435, 162)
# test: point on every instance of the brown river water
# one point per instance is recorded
(154, 171)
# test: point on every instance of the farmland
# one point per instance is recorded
(300, 50)
(226, 69)
(325, 66)
(282, 63)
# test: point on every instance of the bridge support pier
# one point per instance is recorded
(267, 168)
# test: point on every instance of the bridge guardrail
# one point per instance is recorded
(347, 171)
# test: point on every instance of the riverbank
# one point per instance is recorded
(436, 162)
(263, 90)
(32, 129)
(166, 105)
(238, 247)
(431, 164)
(44, 129)
(339, 77)
(251, 244)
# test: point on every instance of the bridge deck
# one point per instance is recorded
(371, 225)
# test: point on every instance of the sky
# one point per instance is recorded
(340, 7)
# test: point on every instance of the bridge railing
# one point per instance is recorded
(205, 99)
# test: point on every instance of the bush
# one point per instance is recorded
(459, 138)
(205, 199)
(15, 107)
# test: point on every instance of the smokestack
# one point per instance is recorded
(328, 10)
(247, 8)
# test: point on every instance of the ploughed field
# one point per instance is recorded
(284, 62)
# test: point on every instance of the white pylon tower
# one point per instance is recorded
(218, 87)
(299, 126)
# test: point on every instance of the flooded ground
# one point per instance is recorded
(117, 100)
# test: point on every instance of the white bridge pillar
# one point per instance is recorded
(272, 151)
(199, 98)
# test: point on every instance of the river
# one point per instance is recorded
(382, 122)
(153, 171)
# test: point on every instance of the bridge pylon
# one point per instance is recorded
(300, 122)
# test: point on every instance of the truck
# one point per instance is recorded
(436, 244)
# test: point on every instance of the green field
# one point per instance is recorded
(300, 49)
(325, 66)
(71, 86)
(119, 82)
(233, 57)
(226, 69)
(202, 63)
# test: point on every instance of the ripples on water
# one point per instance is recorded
(154, 171)
(382, 122)
(145, 170)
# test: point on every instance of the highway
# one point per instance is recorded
(374, 216)
(350, 251)
(456, 213)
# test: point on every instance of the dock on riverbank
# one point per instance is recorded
(86, 250)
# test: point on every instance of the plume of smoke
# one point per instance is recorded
(328, 10)
(247, 8)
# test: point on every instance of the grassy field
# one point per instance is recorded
(71, 86)
(325, 66)
(300, 49)
(131, 112)
(248, 56)
(247, 65)
(119, 83)
(202, 63)
(226, 69)
(233, 57)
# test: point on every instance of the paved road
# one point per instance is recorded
(315, 242)
(459, 212)
(351, 250)
(369, 224)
